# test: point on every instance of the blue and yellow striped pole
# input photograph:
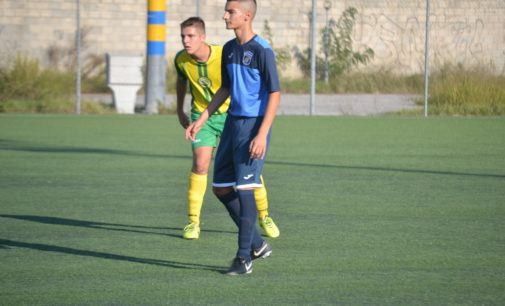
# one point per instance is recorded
(156, 64)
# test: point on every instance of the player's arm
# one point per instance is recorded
(258, 147)
(181, 87)
(216, 102)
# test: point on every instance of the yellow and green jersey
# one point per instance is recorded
(204, 78)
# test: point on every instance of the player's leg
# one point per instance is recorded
(203, 145)
(235, 202)
(224, 181)
(225, 178)
(248, 177)
(247, 224)
(196, 190)
(260, 194)
(265, 221)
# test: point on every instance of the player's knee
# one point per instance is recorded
(200, 168)
(221, 191)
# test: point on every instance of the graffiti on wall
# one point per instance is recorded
(396, 44)
(459, 39)
(400, 41)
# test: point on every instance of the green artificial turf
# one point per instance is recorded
(372, 211)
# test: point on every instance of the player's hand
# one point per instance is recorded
(193, 129)
(183, 119)
(197, 125)
(258, 147)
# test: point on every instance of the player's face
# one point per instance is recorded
(234, 15)
(192, 39)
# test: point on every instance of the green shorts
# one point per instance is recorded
(209, 135)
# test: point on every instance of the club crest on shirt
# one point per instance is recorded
(205, 82)
(246, 60)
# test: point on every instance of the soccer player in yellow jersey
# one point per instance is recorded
(199, 64)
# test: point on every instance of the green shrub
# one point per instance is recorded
(455, 90)
(64, 106)
(379, 81)
(25, 80)
(27, 88)
(95, 83)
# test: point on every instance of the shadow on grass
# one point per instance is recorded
(370, 168)
(105, 226)
(5, 244)
(9, 145)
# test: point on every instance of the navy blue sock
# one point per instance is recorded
(232, 204)
(247, 227)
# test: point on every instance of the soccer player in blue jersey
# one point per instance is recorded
(249, 77)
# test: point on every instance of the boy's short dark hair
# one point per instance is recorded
(241, 1)
(252, 8)
(194, 22)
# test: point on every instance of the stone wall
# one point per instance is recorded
(462, 31)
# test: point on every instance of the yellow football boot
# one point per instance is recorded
(269, 227)
(191, 231)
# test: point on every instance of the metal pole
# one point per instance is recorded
(327, 6)
(427, 58)
(313, 60)
(198, 8)
(156, 64)
(78, 60)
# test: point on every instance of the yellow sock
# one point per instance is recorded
(260, 195)
(196, 191)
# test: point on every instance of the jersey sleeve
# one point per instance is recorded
(269, 71)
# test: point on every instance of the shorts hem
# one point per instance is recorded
(245, 186)
(232, 184)
(201, 145)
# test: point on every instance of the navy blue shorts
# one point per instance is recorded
(233, 165)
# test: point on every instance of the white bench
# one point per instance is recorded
(124, 78)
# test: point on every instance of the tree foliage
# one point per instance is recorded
(282, 55)
(337, 43)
